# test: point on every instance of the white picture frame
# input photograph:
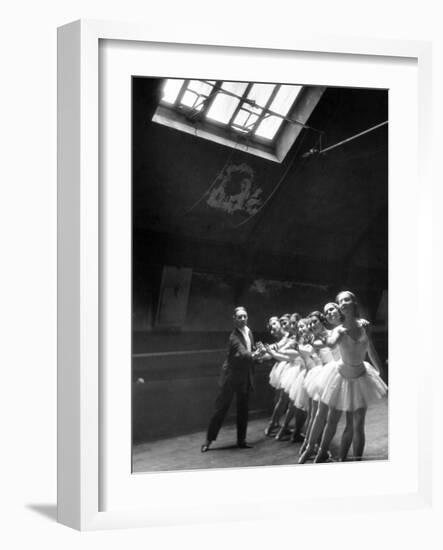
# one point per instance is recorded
(81, 437)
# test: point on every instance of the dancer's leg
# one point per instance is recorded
(310, 419)
(321, 427)
(346, 438)
(359, 438)
(279, 409)
(300, 419)
(316, 431)
(271, 423)
(285, 426)
(313, 406)
(329, 432)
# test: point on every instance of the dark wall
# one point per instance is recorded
(178, 392)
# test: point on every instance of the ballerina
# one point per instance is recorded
(296, 389)
(314, 376)
(281, 401)
(285, 321)
(295, 363)
(333, 318)
(351, 385)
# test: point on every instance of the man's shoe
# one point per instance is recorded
(244, 445)
(205, 447)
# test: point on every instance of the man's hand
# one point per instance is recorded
(257, 354)
(260, 347)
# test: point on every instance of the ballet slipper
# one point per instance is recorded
(307, 453)
(322, 456)
(282, 432)
(270, 428)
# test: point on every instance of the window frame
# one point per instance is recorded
(179, 116)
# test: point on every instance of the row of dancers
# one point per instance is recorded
(320, 372)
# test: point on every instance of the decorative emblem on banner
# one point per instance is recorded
(236, 191)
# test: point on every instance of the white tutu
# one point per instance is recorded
(297, 391)
(326, 355)
(347, 388)
(276, 374)
(316, 379)
(289, 375)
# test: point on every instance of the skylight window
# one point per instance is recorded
(171, 90)
(224, 105)
(226, 112)
(240, 105)
(196, 93)
(282, 102)
(252, 107)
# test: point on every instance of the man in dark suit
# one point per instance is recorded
(237, 377)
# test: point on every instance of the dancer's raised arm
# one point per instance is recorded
(282, 355)
(335, 335)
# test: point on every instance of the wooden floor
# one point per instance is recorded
(183, 453)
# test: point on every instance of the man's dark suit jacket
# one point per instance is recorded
(238, 368)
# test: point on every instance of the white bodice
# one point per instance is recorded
(353, 352)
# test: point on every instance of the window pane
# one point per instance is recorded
(282, 103)
(268, 127)
(171, 89)
(245, 118)
(284, 99)
(260, 93)
(248, 114)
(196, 92)
(224, 105)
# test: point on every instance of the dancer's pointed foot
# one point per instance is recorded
(271, 428)
(322, 456)
(282, 433)
(306, 454)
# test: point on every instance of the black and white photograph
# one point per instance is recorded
(259, 274)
